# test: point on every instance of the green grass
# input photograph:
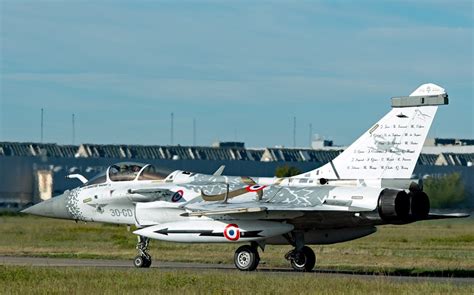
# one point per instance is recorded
(86, 280)
(429, 247)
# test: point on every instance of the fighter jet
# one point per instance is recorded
(366, 186)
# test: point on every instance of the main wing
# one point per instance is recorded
(294, 199)
(287, 202)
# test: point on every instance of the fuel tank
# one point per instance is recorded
(213, 231)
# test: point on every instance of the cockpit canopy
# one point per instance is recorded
(128, 171)
(124, 171)
(152, 173)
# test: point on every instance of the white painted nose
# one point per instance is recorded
(54, 208)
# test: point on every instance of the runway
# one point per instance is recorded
(169, 266)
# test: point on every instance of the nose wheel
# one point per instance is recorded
(143, 259)
(246, 258)
(302, 260)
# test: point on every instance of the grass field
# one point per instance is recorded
(43, 280)
(429, 247)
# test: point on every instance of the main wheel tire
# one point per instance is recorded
(246, 258)
(303, 260)
(141, 261)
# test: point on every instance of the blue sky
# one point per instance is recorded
(243, 69)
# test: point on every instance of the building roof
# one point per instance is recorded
(168, 152)
(30, 149)
(298, 155)
(427, 159)
(157, 152)
(452, 159)
(453, 141)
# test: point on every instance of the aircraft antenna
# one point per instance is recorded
(73, 129)
(294, 131)
(172, 129)
(310, 134)
(194, 131)
(42, 114)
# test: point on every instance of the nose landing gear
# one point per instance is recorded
(143, 259)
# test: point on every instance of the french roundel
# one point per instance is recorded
(177, 196)
(255, 188)
(232, 232)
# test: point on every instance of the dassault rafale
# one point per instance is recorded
(367, 185)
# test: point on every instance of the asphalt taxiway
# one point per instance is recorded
(167, 266)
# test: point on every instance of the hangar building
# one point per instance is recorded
(30, 172)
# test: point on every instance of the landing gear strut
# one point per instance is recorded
(143, 259)
(302, 258)
(246, 257)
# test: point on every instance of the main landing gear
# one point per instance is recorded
(302, 258)
(246, 257)
(143, 259)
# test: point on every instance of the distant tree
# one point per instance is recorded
(286, 171)
(446, 191)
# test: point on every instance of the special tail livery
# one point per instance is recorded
(367, 185)
(391, 147)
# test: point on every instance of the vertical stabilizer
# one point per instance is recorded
(391, 147)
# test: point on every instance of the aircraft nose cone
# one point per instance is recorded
(54, 207)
